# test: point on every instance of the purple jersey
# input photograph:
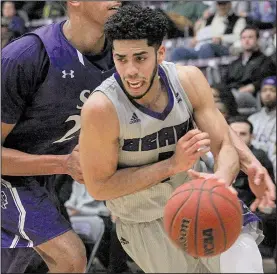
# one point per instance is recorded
(45, 82)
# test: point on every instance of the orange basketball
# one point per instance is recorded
(203, 217)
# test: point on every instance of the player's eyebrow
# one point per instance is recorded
(140, 53)
(135, 54)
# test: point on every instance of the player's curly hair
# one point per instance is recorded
(133, 22)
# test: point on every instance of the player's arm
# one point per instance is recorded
(17, 163)
(209, 119)
(19, 76)
(99, 146)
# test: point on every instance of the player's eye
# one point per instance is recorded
(121, 60)
(140, 58)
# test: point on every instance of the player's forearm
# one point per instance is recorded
(130, 180)
(227, 163)
(246, 157)
(17, 163)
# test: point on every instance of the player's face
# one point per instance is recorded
(8, 9)
(243, 131)
(249, 41)
(136, 63)
(96, 11)
(268, 96)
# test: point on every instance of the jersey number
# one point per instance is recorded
(70, 134)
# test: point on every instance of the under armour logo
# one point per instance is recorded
(4, 201)
(65, 74)
(134, 119)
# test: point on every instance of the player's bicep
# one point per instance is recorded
(98, 140)
(206, 115)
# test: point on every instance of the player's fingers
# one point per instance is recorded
(189, 135)
(232, 190)
(254, 205)
(194, 174)
(201, 152)
(199, 145)
(196, 138)
(271, 188)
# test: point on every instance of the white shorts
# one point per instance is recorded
(148, 245)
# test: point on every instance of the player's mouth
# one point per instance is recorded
(115, 7)
(135, 85)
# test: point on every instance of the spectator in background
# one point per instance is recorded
(184, 14)
(14, 23)
(244, 130)
(53, 9)
(214, 36)
(224, 101)
(264, 121)
(263, 14)
(240, 8)
(244, 75)
(110, 252)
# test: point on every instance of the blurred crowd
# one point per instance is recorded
(234, 44)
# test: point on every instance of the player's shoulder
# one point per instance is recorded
(187, 71)
(97, 102)
(23, 49)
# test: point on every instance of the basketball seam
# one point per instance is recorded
(219, 218)
(225, 198)
(173, 219)
(196, 219)
(208, 190)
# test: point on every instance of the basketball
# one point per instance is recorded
(203, 217)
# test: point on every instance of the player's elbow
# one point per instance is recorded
(95, 189)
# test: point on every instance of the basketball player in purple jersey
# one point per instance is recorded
(47, 75)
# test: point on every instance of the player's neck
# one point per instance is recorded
(83, 36)
(157, 98)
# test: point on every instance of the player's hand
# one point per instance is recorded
(262, 186)
(72, 166)
(189, 149)
(202, 175)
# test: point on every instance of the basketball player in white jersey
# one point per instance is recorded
(138, 125)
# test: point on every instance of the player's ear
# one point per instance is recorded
(161, 54)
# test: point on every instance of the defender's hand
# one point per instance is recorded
(72, 166)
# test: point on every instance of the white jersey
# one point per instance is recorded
(147, 137)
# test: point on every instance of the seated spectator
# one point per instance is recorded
(224, 101)
(214, 36)
(264, 121)
(184, 14)
(263, 14)
(110, 252)
(53, 9)
(240, 8)
(15, 23)
(244, 130)
(244, 75)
